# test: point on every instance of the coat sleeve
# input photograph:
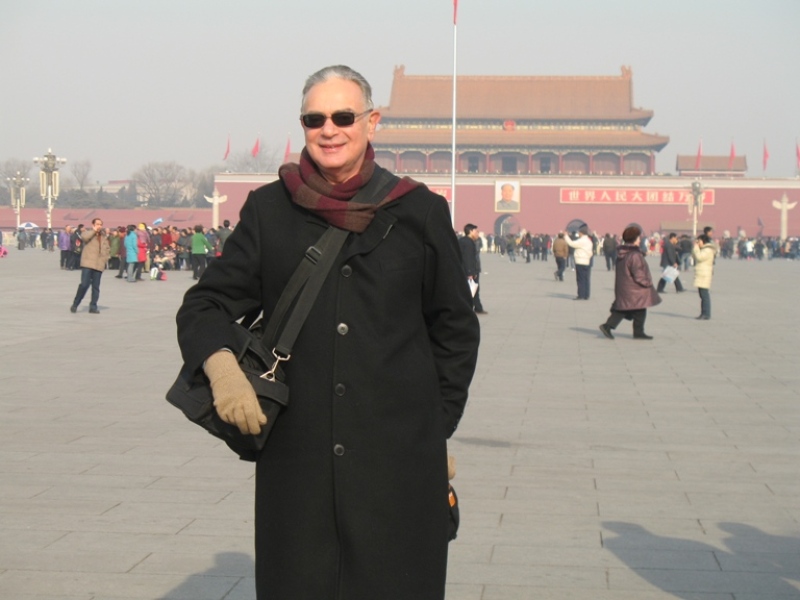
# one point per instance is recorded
(229, 289)
(640, 272)
(452, 325)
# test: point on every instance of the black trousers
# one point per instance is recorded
(198, 265)
(89, 278)
(561, 263)
(583, 275)
(638, 317)
(476, 299)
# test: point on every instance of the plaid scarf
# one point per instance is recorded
(313, 192)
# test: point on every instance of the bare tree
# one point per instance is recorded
(160, 183)
(243, 162)
(80, 170)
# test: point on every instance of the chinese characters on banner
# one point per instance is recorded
(658, 197)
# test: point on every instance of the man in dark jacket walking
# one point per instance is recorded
(610, 251)
(471, 259)
(670, 258)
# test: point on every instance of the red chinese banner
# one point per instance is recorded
(441, 190)
(631, 196)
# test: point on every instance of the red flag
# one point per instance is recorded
(732, 157)
(227, 149)
(699, 156)
(765, 157)
(455, 11)
(256, 148)
(797, 152)
(288, 150)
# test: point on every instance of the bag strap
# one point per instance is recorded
(306, 282)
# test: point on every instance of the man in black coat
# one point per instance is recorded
(670, 258)
(610, 251)
(471, 259)
(351, 487)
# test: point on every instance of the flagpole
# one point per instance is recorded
(453, 144)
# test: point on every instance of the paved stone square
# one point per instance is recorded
(588, 468)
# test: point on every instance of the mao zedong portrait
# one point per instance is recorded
(509, 197)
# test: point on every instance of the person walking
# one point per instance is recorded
(583, 252)
(633, 288)
(471, 260)
(561, 253)
(351, 488)
(703, 254)
(610, 251)
(94, 260)
(670, 258)
(131, 252)
(200, 246)
(64, 246)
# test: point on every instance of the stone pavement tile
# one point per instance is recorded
(101, 559)
(500, 592)
(581, 557)
(60, 523)
(459, 591)
(785, 564)
(212, 542)
(215, 564)
(678, 581)
(85, 596)
(222, 526)
(115, 585)
(553, 576)
(37, 506)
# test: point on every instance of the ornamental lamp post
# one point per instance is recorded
(696, 206)
(17, 184)
(48, 180)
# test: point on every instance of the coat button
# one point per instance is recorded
(342, 328)
(339, 389)
(347, 270)
(338, 450)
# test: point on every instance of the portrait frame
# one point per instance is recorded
(507, 196)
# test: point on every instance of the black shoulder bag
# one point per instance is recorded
(262, 348)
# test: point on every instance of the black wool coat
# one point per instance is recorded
(351, 489)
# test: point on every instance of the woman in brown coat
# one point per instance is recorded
(633, 288)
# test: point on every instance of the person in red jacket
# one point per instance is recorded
(633, 288)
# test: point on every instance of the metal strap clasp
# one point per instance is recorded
(270, 375)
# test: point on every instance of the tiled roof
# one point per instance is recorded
(711, 163)
(515, 97)
(529, 139)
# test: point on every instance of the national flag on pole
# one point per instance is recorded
(227, 149)
(699, 156)
(256, 148)
(288, 150)
(732, 157)
(797, 153)
(760, 222)
(765, 157)
(455, 11)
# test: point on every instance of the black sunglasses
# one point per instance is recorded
(341, 118)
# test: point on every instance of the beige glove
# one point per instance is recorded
(234, 397)
(451, 466)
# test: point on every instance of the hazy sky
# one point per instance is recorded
(125, 82)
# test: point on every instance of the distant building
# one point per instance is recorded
(517, 125)
(711, 166)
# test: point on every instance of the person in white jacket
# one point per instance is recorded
(584, 249)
